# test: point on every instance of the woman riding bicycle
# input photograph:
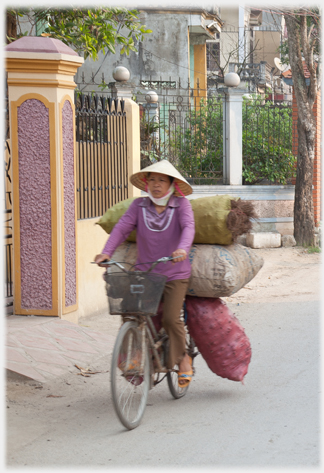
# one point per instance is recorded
(164, 224)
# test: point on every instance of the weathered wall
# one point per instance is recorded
(229, 36)
(157, 57)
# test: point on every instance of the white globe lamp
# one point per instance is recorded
(232, 79)
(121, 74)
(151, 97)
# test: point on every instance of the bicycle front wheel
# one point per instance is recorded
(130, 375)
(172, 376)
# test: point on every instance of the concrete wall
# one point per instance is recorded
(266, 37)
(268, 43)
(156, 57)
(229, 35)
(168, 53)
(91, 239)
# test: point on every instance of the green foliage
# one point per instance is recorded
(284, 52)
(89, 31)
(314, 249)
(149, 146)
(197, 148)
(148, 126)
(197, 145)
(267, 143)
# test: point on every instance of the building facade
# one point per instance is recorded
(175, 51)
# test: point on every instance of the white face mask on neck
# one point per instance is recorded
(162, 200)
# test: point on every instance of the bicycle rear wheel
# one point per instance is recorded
(130, 375)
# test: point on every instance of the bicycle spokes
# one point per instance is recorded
(130, 375)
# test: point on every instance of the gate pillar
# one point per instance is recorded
(232, 131)
(40, 72)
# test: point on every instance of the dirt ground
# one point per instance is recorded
(287, 274)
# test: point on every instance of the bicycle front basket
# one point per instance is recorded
(134, 292)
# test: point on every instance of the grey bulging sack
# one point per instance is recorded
(217, 270)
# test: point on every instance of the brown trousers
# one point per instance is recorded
(173, 297)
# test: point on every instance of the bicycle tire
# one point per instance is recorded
(129, 382)
(172, 376)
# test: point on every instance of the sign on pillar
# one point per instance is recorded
(41, 108)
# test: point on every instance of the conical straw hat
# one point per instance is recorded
(161, 167)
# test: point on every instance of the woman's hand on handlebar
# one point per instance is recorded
(179, 255)
(100, 259)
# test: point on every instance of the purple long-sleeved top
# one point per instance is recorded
(157, 235)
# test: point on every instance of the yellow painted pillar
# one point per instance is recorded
(41, 108)
(200, 73)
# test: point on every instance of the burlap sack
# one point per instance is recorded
(220, 271)
(210, 219)
(210, 215)
(217, 271)
(111, 217)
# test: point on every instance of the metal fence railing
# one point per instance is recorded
(8, 247)
(186, 127)
(101, 154)
(8, 290)
(267, 132)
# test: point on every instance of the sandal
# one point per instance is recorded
(185, 376)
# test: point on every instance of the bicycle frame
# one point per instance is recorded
(140, 350)
(154, 343)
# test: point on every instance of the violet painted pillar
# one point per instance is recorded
(41, 107)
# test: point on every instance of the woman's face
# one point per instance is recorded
(158, 184)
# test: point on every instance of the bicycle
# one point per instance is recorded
(140, 351)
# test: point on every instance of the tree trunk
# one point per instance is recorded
(306, 127)
(11, 27)
(303, 207)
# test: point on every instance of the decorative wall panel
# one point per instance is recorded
(35, 205)
(69, 205)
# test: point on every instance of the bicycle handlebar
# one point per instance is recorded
(164, 259)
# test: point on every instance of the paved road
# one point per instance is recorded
(271, 421)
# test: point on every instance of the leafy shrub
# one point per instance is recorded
(197, 145)
(267, 143)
